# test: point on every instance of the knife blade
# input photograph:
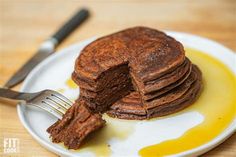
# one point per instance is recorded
(48, 47)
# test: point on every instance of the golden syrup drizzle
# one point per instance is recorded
(71, 84)
(217, 104)
(115, 128)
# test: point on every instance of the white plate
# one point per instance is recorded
(53, 72)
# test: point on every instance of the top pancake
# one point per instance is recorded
(148, 53)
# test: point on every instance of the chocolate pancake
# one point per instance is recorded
(147, 52)
(187, 99)
(77, 123)
(132, 106)
(129, 107)
(155, 94)
(175, 93)
(167, 79)
(99, 102)
(137, 60)
(148, 58)
(110, 78)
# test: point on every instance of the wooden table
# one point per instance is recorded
(25, 24)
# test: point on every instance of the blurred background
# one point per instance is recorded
(24, 24)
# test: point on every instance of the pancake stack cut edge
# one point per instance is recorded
(137, 73)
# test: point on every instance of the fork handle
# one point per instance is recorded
(10, 94)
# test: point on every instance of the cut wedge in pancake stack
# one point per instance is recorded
(137, 73)
(133, 107)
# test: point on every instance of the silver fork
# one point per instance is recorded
(48, 100)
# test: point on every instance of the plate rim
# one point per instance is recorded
(195, 151)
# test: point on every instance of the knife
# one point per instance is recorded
(48, 47)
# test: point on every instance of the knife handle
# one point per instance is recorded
(70, 26)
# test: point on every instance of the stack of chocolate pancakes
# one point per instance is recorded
(137, 73)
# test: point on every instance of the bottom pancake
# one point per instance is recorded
(132, 107)
(129, 107)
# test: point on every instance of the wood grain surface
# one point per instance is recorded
(24, 24)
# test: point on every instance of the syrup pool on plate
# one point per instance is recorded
(70, 83)
(217, 103)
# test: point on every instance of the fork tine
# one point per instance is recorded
(55, 106)
(63, 98)
(66, 102)
(55, 102)
(49, 110)
(52, 102)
